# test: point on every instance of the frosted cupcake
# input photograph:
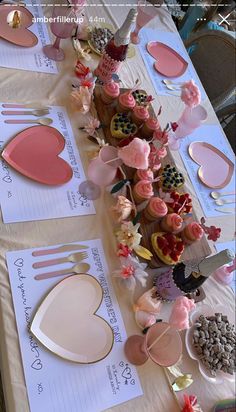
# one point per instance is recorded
(191, 233)
(149, 127)
(110, 92)
(140, 115)
(142, 191)
(171, 223)
(155, 210)
(143, 175)
(126, 102)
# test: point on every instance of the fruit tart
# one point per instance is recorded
(168, 247)
(179, 203)
(122, 126)
(170, 178)
(140, 97)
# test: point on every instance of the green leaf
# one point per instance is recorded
(136, 218)
(119, 185)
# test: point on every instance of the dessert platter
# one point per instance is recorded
(123, 116)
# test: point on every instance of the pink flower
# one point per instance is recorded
(190, 94)
(127, 271)
(82, 99)
(122, 209)
(91, 127)
(190, 404)
(135, 154)
(123, 250)
(213, 232)
(155, 156)
(81, 70)
(174, 126)
(161, 136)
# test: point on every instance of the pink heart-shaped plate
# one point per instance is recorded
(20, 36)
(215, 169)
(34, 153)
(169, 63)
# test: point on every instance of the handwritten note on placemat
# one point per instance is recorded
(54, 384)
(22, 199)
(32, 58)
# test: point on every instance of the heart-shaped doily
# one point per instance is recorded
(169, 63)
(121, 126)
(34, 153)
(67, 324)
(20, 36)
(216, 169)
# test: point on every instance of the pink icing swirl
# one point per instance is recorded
(157, 206)
(112, 89)
(145, 174)
(127, 100)
(144, 189)
(194, 231)
(152, 123)
(141, 112)
(174, 221)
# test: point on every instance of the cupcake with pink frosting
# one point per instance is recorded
(171, 223)
(142, 191)
(140, 115)
(149, 127)
(126, 102)
(155, 210)
(191, 233)
(146, 174)
(110, 92)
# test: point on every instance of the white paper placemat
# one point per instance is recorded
(23, 199)
(54, 384)
(174, 41)
(228, 245)
(33, 58)
(210, 134)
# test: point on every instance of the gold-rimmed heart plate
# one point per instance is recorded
(67, 324)
(216, 169)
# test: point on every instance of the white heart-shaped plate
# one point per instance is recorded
(67, 324)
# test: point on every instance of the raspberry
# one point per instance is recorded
(175, 195)
(169, 237)
(174, 256)
(165, 251)
(179, 247)
(161, 242)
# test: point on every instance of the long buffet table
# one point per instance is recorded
(22, 86)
